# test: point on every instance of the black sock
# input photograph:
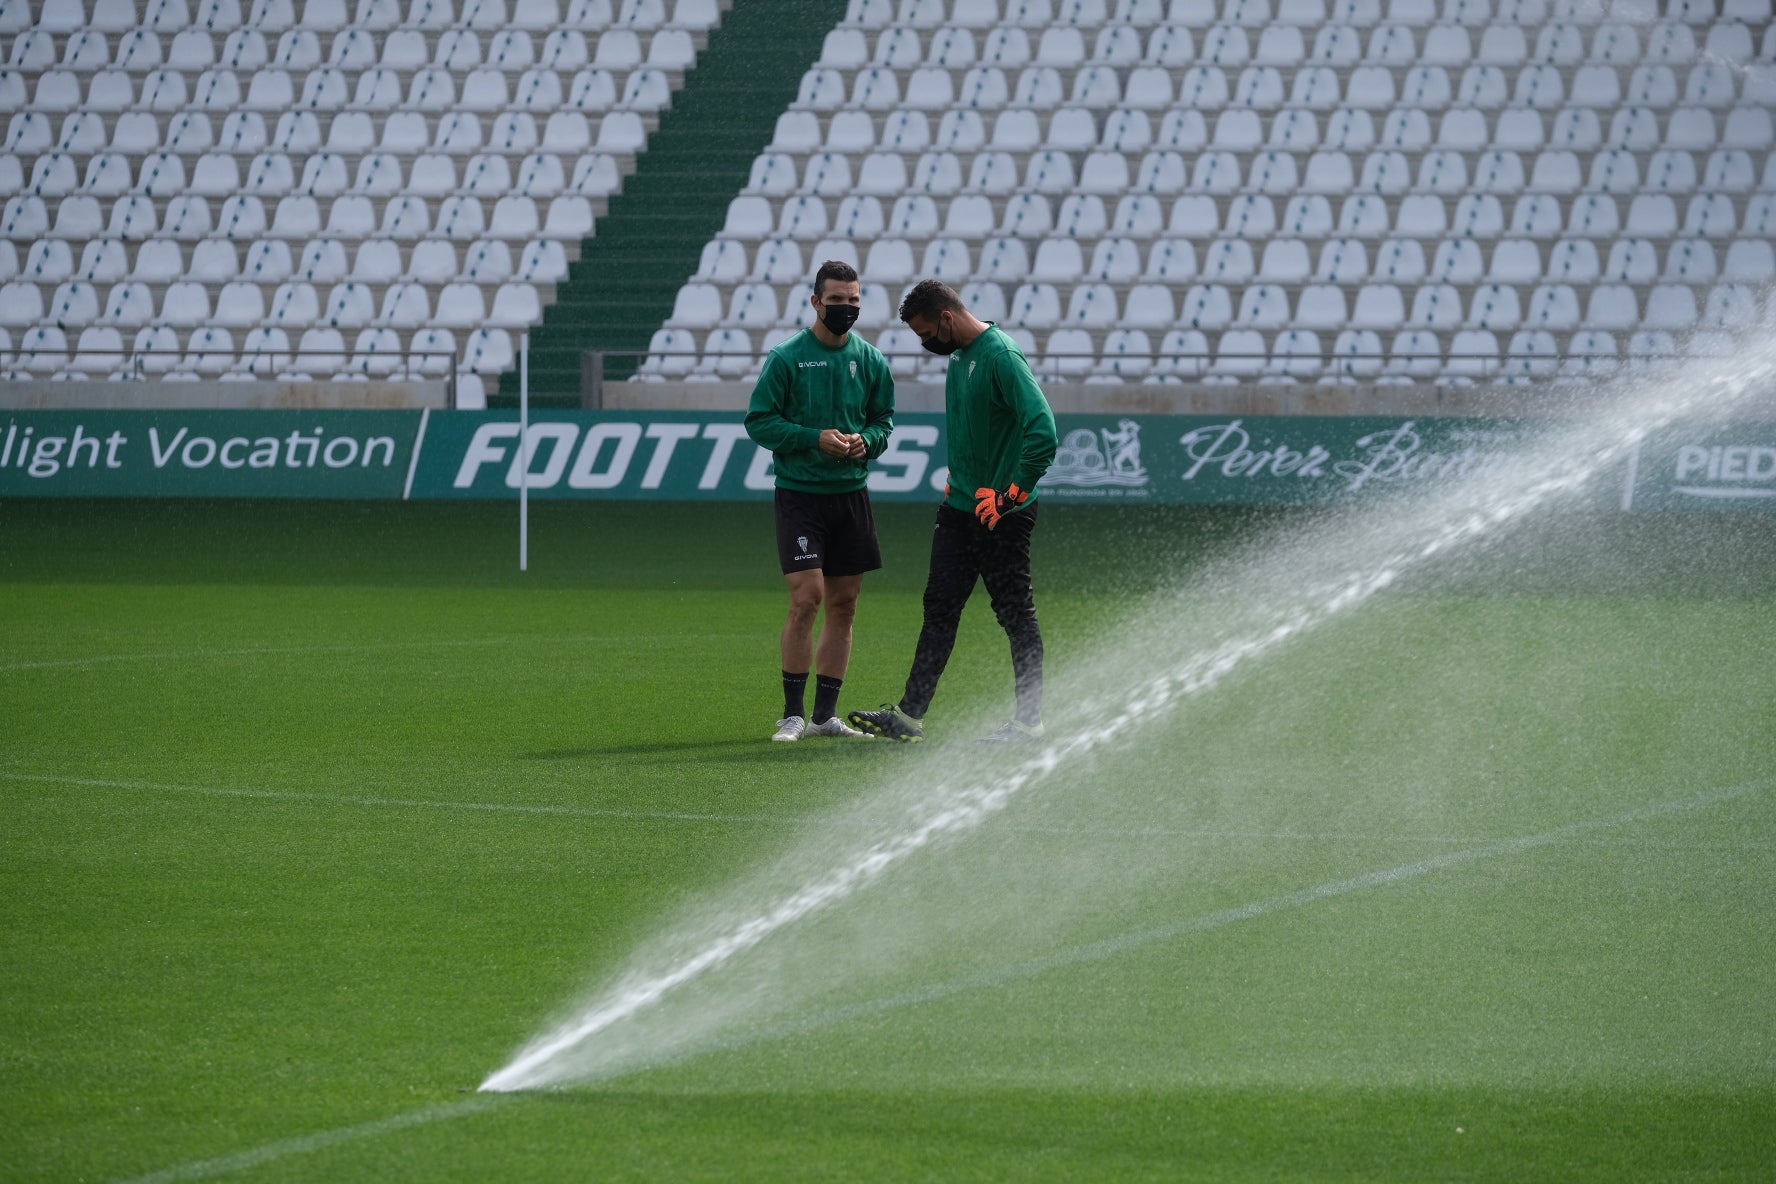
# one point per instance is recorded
(826, 697)
(793, 687)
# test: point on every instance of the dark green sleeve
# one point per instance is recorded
(1036, 422)
(765, 421)
(879, 415)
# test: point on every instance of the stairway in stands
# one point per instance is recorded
(629, 272)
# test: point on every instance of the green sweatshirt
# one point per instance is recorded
(1000, 429)
(807, 387)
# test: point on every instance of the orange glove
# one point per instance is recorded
(990, 505)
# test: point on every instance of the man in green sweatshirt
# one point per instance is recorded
(824, 407)
(1001, 438)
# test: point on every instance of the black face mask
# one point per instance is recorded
(942, 349)
(838, 318)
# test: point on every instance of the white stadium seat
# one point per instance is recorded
(1319, 170)
(430, 262)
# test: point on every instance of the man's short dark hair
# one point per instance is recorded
(833, 269)
(928, 298)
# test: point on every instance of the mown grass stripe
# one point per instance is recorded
(289, 795)
(1090, 952)
(261, 651)
(225, 1165)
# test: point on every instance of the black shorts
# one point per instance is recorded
(830, 532)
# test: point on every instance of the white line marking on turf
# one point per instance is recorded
(1148, 832)
(1221, 918)
(1095, 951)
(290, 795)
(364, 648)
(240, 1161)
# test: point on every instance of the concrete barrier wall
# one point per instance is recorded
(217, 396)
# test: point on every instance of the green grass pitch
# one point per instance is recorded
(312, 814)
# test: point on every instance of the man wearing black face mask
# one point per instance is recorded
(1000, 433)
(824, 407)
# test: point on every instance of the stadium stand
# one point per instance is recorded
(1330, 190)
(1150, 191)
(248, 174)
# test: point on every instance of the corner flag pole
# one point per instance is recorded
(524, 452)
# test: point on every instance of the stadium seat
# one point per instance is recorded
(1091, 306)
(1149, 306)
(102, 261)
(1591, 356)
(21, 304)
(1285, 261)
(432, 261)
(1296, 356)
(99, 348)
(210, 350)
(323, 262)
(1206, 306)
(1127, 353)
(1749, 261)
(240, 304)
(1069, 355)
(1652, 349)
(487, 261)
(1356, 355)
(985, 299)
(1379, 306)
(1171, 260)
(1671, 307)
(1321, 306)
(43, 349)
(1495, 306)
(1241, 353)
(515, 306)
(50, 261)
(155, 349)
(752, 306)
(1536, 216)
(1730, 306)
(1263, 306)
(1457, 261)
(1712, 215)
(1690, 261)
(1184, 353)
(1427, 122)
(1748, 127)
(1035, 306)
(1006, 258)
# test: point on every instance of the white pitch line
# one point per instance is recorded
(1094, 951)
(290, 795)
(364, 648)
(1084, 832)
(240, 1161)
(1221, 918)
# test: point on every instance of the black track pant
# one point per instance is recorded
(962, 551)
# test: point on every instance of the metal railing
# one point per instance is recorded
(1323, 366)
(149, 365)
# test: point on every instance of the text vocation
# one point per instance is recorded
(43, 456)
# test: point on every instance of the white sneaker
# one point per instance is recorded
(790, 728)
(838, 727)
